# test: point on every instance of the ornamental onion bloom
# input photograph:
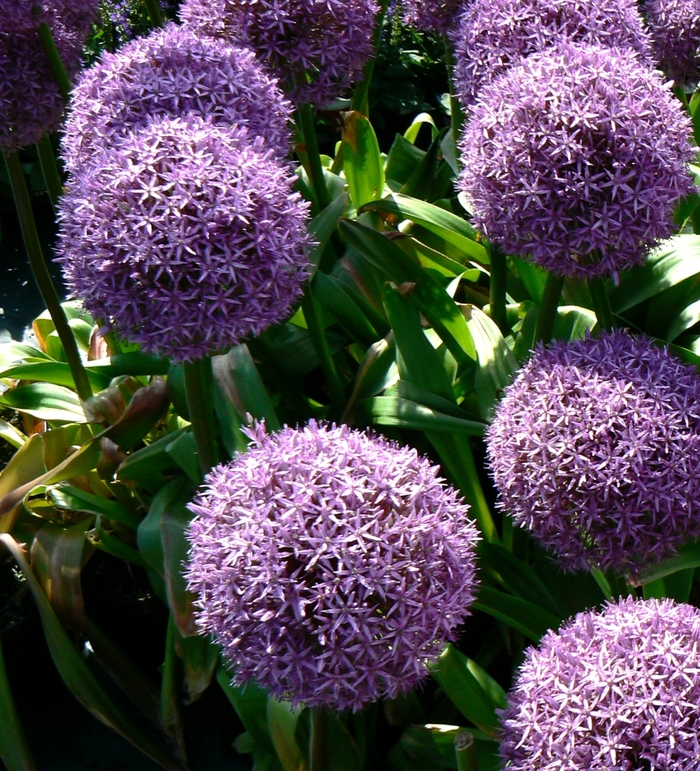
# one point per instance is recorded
(30, 100)
(675, 33)
(317, 48)
(612, 689)
(187, 238)
(493, 35)
(330, 564)
(595, 449)
(172, 72)
(437, 15)
(576, 158)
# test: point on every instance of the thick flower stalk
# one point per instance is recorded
(171, 73)
(30, 98)
(493, 35)
(187, 238)
(317, 48)
(612, 689)
(435, 15)
(675, 33)
(576, 158)
(595, 449)
(329, 565)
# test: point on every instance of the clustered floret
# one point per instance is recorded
(317, 48)
(576, 158)
(437, 15)
(30, 100)
(170, 73)
(595, 449)
(494, 35)
(612, 689)
(187, 238)
(330, 565)
(675, 33)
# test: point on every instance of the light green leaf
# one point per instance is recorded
(362, 161)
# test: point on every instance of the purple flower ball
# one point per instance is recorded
(595, 449)
(330, 565)
(576, 158)
(493, 35)
(187, 238)
(30, 100)
(317, 48)
(170, 73)
(434, 15)
(612, 690)
(675, 34)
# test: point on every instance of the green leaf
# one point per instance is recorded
(422, 119)
(450, 227)
(435, 744)
(45, 402)
(454, 675)
(282, 721)
(330, 293)
(377, 372)
(323, 225)
(433, 301)
(422, 180)
(688, 557)
(72, 498)
(76, 674)
(11, 435)
(533, 277)
(147, 467)
(54, 372)
(394, 411)
(134, 363)
(362, 161)
(403, 159)
(524, 616)
(146, 408)
(674, 261)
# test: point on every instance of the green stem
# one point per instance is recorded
(548, 308)
(305, 118)
(360, 97)
(154, 12)
(198, 382)
(42, 276)
(320, 760)
(497, 289)
(318, 338)
(456, 112)
(601, 303)
(465, 750)
(59, 71)
(49, 167)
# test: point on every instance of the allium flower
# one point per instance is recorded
(30, 100)
(330, 565)
(493, 35)
(576, 158)
(317, 48)
(172, 72)
(186, 238)
(438, 15)
(675, 33)
(595, 448)
(615, 690)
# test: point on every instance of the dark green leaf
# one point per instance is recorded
(45, 402)
(524, 616)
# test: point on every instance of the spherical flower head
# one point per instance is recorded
(170, 73)
(187, 238)
(30, 100)
(675, 33)
(576, 158)
(432, 15)
(317, 48)
(595, 449)
(330, 565)
(491, 36)
(612, 689)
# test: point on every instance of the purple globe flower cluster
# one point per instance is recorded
(317, 48)
(494, 35)
(30, 100)
(186, 237)
(675, 33)
(180, 229)
(616, 689)
(576, 158)
(437, 15)
(595, 449)
(173, 72)
(330, 565)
